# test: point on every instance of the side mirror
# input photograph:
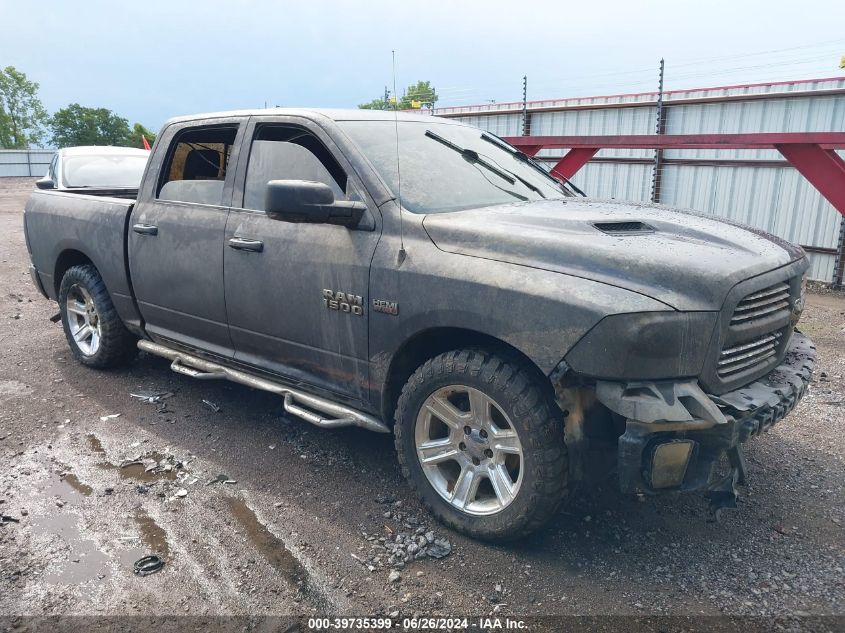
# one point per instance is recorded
(45, 183)
(306, 201)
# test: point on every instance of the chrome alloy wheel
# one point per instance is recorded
(83, 320)
(469, 450)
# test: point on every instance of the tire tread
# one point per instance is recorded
(538, 414)
(117, 344)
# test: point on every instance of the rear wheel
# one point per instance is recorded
(94, 331)
(482, 444)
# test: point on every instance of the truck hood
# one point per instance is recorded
(683, 259)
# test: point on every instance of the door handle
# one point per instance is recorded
(145, 229)
(246, 244)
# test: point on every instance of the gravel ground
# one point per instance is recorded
(255, 513)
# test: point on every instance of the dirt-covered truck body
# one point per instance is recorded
(417, 276)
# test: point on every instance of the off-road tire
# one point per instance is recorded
(117, 346)
(533, 413)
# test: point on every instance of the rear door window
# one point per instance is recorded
(197, 164)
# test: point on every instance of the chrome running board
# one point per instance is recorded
(297, 402)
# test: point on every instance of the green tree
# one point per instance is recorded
(376, 104)
(422, 91)
(78, 125)
(22, 117)
(134, 138)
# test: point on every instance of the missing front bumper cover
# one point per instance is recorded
(660, 413)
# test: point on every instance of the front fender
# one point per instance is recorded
(540, 313)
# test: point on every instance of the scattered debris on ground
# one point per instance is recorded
(406, 539)
(148, 565)
(152, 397)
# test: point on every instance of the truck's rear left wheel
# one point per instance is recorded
(94, 331)
(482, 444)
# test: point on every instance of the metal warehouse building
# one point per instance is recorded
(25, 162)
(756, 187)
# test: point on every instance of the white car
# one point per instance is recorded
(96, 167)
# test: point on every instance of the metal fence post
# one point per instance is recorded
(839, 262)
(660, 128)
(526, 123)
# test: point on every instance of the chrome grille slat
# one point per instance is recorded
(771, 309)
(745, 347)
(746, 355)
(764, 293)
(745, 307)
(748, 363)
(757, 353)
(762, 303)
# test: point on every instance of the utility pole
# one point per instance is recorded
(526, 127)
(660, 128)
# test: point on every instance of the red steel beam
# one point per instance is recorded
(822, 167)
(811, 153)
(574, 160)
(826, 140)
(530, 150)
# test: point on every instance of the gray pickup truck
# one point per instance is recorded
(412, 275)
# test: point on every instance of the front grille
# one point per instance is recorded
(762, 304)
(755, 329)
(746, 356)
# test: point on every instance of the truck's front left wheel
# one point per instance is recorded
(94, 331)
(482, 444)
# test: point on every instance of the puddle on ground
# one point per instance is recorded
(95, 445)
(137, 471)
(74, 558)
(153, 540)
(78, 559)
(73, 481)
(268, 544)
(68, 488)
(153, 536)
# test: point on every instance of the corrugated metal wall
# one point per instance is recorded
(21, 162)
(757, 187)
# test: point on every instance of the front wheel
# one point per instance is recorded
(482, 444)
(94, 331)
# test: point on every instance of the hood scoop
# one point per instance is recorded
(623, 228)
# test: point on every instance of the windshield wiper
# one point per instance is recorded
(525, 181)
(472, 156)
(522, 156)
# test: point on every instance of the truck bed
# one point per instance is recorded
(60, 226)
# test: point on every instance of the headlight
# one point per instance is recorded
(645, 346)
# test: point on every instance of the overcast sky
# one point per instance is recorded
(151, 60)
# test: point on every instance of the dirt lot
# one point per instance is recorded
(294, 524)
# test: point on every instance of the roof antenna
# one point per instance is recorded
(401, 255)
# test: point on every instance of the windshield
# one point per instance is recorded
(446, 167)
(103, 170)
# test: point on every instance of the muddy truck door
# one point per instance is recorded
(176, 234)
(296, 291)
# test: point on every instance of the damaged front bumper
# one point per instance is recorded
(677, 437)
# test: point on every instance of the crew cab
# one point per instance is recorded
(416, 276)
